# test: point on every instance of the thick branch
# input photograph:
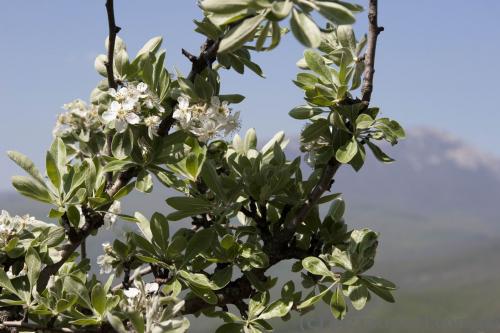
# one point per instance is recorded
(113, 30)
(373, 31)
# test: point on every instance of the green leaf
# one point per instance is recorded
(347, 152)
(277, 309)
(73, 216)
(225, 7)
(206, 294)
(52, 170)
(358, 295)
(116, 323)
(304, 112)
(338, 305)
(144, 182)
(240, 34)
(31, 189)
(379, 154)
(385, 294)
(316, 266)
(345, 35)
(316, 63)
(230, 328)
(223, 276)
(122, 144)
(335, 12)
(88, 322)
(151, 46)
(313, 300)
(144, 226)
(58, 151)
(160, 230)
(34, 266)
(98, 299)
(200, 242)
(5, 282)
(192, 205)
(379, 282)
(305, 29)
(27, 165)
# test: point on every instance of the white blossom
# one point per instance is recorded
(151, 287)
(110, 217)
(79, 117)
(133, 104)
(105, 261)
(206, 120)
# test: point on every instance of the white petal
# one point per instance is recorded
(115, 106)
(183, 102)
(109, 115)
(129, 105)
(142, 87)
(151, 287)
(132, 118)
(215, 101)
(120, 125)
(131, 292)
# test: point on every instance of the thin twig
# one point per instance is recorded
(373, 31)
(113, 30)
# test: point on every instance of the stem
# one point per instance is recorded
(373, 32)
(113, 30)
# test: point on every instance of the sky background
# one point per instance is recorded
(437, 65)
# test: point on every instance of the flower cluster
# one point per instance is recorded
(106, 260)
(162, 314)
(11, 226)
(79, 117)
(132, 105)
(206, 120)
(110, 217)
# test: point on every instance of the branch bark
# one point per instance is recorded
(373, 32)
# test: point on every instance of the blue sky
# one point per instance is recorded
(437, 65)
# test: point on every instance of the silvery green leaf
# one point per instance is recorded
(304, 112)
(27, 165)
(379, 154)
(151, 46)
(346, 37)
(98, 299)
(34, 266)
(316, 266)
(338, 305)
(224, 7)
(346, 153)
(358, 294)
(335, 12)
(305, 29)
(122, 144)
(276, 309)
(240, 34)
(31, 189)
(144, 182)
(313, 300)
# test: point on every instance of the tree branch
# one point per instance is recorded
(373, 31)
(113, 30)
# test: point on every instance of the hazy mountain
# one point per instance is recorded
(437, 211)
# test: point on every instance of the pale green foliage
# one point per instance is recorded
(240, 199)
